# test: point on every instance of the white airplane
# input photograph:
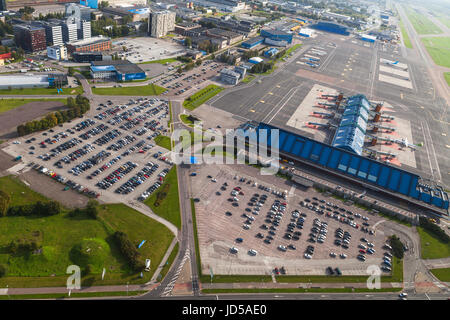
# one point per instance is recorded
(404, 143)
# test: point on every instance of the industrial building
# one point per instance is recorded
(58, 52)
(229, 76)
(30, 38)
(160, 23)
(306, 32)
(253, 42)
(255, 60)
(271, 52)
(182, 28)
(331, 27)
(98, 43)
(232, 37)
(223, 5)
(372, 174)
(276, 37)
(119, 70)
(368, 38)
(32, 81)
(243, 27)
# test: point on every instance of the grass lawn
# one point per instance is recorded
(163, 141)
(248, 78)
(60, 236)
(9, 104)
(432, 248)
(406, 40)
(169, 262)
(72, 295)
(291, 49)
(201, 96)
(186, 120)
(148, 90)
(442, 274)
(162, 61)
(169, 206)
(439, 50)
(444, 20)
(421, 23)
(41, 91)
(300, 290)
(447, 77)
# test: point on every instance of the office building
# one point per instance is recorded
(90, 56)
(58, 52)
(94, 44)
(53, 32)
(3, 5)
(84, 32)
(69, 31)
(160, 23)
(30, 38)
(229, 76)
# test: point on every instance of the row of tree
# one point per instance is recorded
(397, 246)
(108, 27)
(261, 67)
(76, 108)
(129, 250)
(40, 209)
(434, 229)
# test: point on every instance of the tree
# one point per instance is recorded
(188, 42)
(397, 246)
(5, 200)
(103, 4)
(91, 209)
(71, 71)
(198, 62)
(88, 269)
(3, 270)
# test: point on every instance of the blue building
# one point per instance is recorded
(271, 52)
(119, 70)
(93, 4)
(352, 128)
(253, 42)
(331, 27)
(346, 164)
(276, 37)
(368, 38)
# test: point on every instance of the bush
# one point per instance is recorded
(39, 208)
(91, 209)
(434, 229)
(4, 203)
(3, 270)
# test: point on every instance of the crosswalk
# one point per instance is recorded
(168, 290)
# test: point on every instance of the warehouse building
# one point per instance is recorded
(32, 81)
(118, 70)
(253, 42)
(368, 38)
(306, 32)
(331, 27)
(271, 52)
(380, 177)
(276, 37)
(232, 37)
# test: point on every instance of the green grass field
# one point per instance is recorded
(201, 96)
(41, 91)
(169, 207)
(431, 247)
(447, 77)
(162, 61)
(72, 295)
(163, 141)
(421, 23)
(62, 237)
(9, 104)
(147, 90)
(406, 39)
(444, 20)
(439, 50)
(442, 274)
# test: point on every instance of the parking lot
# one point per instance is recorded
(109, 155)
(249, 226)
(192, 80)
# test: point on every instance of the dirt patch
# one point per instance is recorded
(6, 161)
(54, 190)
(9, 120)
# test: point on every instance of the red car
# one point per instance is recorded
(276, 271)
(362, 251)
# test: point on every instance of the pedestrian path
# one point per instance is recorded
(168, 290)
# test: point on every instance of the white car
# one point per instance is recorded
(16, 142)
(282, 248)
(332, 254)
(234, 250)
(403, 295)
(343, 255)
(308, 256)
(246, 226)
(252, 252)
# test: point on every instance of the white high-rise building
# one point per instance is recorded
(70, 33)
(160, 23)
(85, 30)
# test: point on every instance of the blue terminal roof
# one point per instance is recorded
(380, 174)
(352, 128)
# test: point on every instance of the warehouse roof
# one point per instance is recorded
(253, 41)
(102, 68)
(23, 80)
(352, 128)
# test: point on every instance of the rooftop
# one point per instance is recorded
(92, 40)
